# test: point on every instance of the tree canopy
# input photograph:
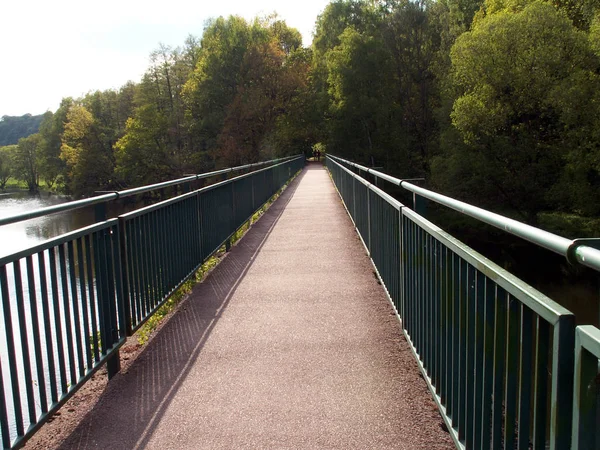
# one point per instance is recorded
(493, 101)
(13, 128)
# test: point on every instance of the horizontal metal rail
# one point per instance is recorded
(111, 196)
(68, 304)
(576, 251)
(497, 355)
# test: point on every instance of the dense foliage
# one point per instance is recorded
(493, 101)
(13, 128)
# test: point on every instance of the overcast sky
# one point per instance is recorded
(55, 49)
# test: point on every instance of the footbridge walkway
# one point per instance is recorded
(306, 335)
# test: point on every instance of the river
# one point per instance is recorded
(25, 234)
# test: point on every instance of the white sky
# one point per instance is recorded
(55, 49)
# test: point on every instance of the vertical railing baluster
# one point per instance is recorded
(23, 334)
(525, 373)
(36, 334)
(444, 339)
(57, 321)
(540, 412)
(84, 303)
(488, 364)
(125, 263)
(512, 372)
(145, 265)
(4, 428)
(438, 325)
(561, 400)
(470, 356)
(67, 312)
(462, 371)
(455, 339)
(120, 302)
(368, 230)
(47, 326)
(586, 414)
(499, 367)
(478, 361)
(75, 303)
(12, 356)
(89, 249)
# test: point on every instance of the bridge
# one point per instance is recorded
(330, 324)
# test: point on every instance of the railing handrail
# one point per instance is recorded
(111, 196)
(546, 308)
(576, 250)
(168, 201)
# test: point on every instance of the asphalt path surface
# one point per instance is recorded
(289, 343)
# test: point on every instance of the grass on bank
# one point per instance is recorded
(13, 183)
(144, 333)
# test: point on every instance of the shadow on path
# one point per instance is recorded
(135, 401)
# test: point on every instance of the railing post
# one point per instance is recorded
(103, 277)
(199, 212)
(104, 281)
(232, 223)
(561, 400)
(354, 199)
(253, 193)
(419, 205)
(369, 219)
(400, 273)
(585, 432)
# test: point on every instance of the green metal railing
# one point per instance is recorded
(59, 306)
(577, 251)
(167, 242)
(498, 355)
(586, 429)
(69, 303)
(104, 198)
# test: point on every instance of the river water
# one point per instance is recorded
(25, 234)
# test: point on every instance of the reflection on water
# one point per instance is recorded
(21, 235)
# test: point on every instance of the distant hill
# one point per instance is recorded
(13, 128)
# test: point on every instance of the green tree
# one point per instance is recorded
(247, 78)
(7, 154)
(361, 84)
(142, 154)
(520, 76)
(12, 128)
(89, 161)
(299, 125)
(413, 40)
(52, 167)
(156, 144)
(362, 16)
(270, 78)
(26, 161)
(213, 84)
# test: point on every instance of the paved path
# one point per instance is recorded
(289, 343)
